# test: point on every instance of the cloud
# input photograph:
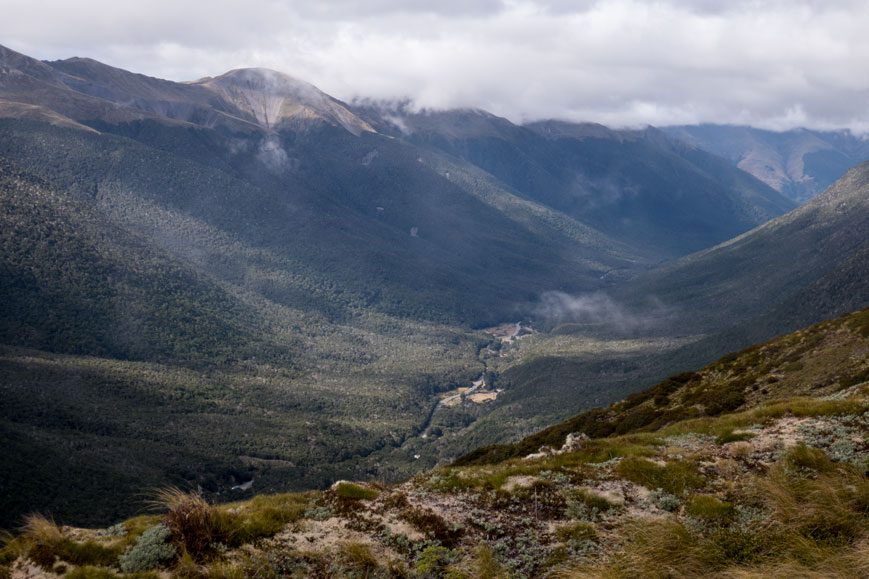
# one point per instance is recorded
(598, 309)
(774, 64)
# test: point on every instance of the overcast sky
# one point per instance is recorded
(773, 64)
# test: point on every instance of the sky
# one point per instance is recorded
(774, 64)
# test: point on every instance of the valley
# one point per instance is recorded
(239, 278)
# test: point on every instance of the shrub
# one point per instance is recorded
(664, 500)
(586, 505)
(431, 524)
(150, 550)
(434, 561)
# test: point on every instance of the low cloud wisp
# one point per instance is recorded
(597, 309)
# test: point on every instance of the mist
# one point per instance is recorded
(598, 310)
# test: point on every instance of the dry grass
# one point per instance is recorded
(194, 523)
(42, 529)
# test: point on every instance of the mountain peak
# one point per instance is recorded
(274, 98)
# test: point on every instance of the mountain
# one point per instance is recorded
(594, 348)
(260, 281)
(800, 267)
(621, 183)
(799, 163)
(753, 466)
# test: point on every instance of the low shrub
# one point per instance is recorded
(90, 572)
(429, 523)
(151, 549)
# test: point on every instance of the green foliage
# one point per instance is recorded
(730, 436)
(434, 562)
(804, 457)
(91, 572)
(675, 477)
(151, 549)
(346, 490)
(710, 508)
(88, 553)
(576, 532)
(263, 516)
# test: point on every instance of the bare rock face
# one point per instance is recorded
(275, 99)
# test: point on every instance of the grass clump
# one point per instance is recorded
(91, 572)
(729, 436)
(40, 540)
(710, 508)
(196, 526)
(674, 477)
(263, 516)
(88, 553)
(576, 532)
(346, 490)
(151, 549)
(359, 558)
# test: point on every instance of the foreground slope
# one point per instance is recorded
(772, 486)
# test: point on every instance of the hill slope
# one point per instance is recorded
(621, 183)
(803, 266)
(774, 486)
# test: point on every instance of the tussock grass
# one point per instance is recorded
(710, 508)
(262, 516)
(675, 477)
(827, 504)
(359, 558)
(816, 526)
(42, 530)
(224, 570)
(346, 490)
(196, 525)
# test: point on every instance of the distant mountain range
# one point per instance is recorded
(799, 163)
(260, 280)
